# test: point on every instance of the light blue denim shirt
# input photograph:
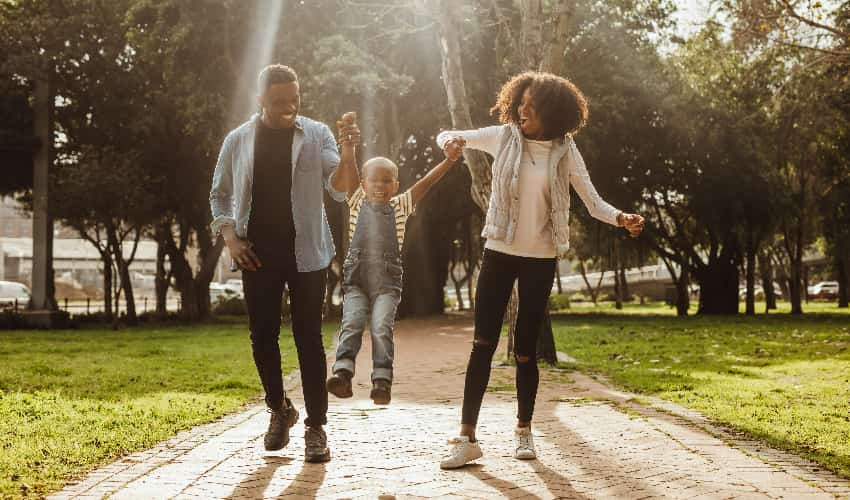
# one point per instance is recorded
(314, 161)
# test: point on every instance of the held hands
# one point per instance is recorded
(632, 222)
(349, 132)
(454, 148)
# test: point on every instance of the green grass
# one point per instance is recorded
(73, 400)
(782, 379)
(662, 309)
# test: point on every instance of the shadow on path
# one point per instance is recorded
(254, 484)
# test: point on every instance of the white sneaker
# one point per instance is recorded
(462, 453)
(524, 444)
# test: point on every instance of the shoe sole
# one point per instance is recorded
(380, 398)
(451, 467)
(339, 388)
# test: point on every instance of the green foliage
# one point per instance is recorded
(232, 306)
(558, 302)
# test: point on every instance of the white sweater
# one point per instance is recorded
(566, 167)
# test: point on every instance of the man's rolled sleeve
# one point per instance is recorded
(330, 163)
(221, 192)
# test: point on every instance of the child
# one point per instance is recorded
(372, 273)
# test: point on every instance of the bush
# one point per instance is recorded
(10, 321)
(559, 301)
(230, 307)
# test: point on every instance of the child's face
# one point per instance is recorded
(380, 183)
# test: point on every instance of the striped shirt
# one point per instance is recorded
(402, 204)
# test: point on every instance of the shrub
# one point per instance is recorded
(559, 301)
(230, 307)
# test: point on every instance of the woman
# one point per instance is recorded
(527, 230)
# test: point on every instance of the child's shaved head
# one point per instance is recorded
(380, 162)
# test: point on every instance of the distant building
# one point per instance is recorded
(75, 260)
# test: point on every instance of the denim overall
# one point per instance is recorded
(371, 282)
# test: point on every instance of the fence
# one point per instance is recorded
(91, 306)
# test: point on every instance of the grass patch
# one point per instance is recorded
(73, 400)
(662, 309)
(782, 379)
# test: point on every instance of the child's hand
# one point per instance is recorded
(454, 148)
(349, 132)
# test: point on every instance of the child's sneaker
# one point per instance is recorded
(524, 444)
(463, 451)
(340, 384)
(381, 392)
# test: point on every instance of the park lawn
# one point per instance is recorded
(662, 309)
(76, 399)
(781, 379)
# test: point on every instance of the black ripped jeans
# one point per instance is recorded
(495, 282)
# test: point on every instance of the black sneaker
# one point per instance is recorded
(316, 445)
(277, 436)
(340, 384)
(381, 392)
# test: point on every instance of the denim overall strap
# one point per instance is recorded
(375, 232)
(374, 257)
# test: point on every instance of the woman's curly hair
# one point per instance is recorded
(561, 106)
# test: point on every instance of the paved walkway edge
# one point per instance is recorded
(127, 469)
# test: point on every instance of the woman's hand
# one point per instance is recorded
(632, 222)
(454, 148)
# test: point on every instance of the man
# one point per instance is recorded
(267, 204)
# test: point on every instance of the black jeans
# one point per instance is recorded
(264, 295)
(495, 283)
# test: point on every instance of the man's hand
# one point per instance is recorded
(454, 148)
(240, 250)
(349, 132)
(632, 222)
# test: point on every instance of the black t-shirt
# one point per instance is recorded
(270, 225)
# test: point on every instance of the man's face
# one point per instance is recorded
(280, 104)
(380, 182)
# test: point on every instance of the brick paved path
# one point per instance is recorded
(592, 441)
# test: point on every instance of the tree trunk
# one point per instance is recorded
(718, 288)
(452, 70)
(554, 57)
(795, 289)
(161, 280)
(123, 267)
(751, 277)
(209, 254)
(618, 288)
(594, 292)
(841, 266)
(766, 271)
(107, 286)
(683, 296)
(624, 283)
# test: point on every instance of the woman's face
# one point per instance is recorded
(529, 120)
